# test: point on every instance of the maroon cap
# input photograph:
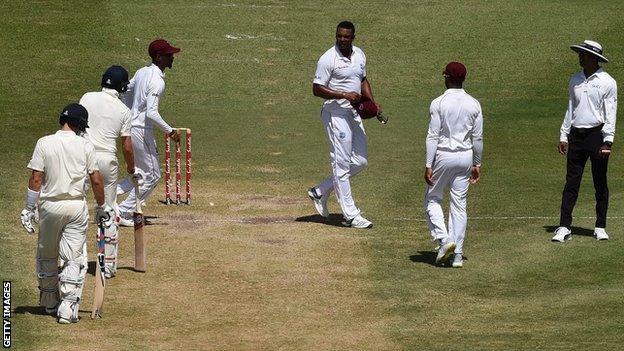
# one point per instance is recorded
(455, 70)
(161, 47)
(366, 108)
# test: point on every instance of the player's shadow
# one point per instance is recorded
(334, 219)
(429, 257)
(575, 230)
(128, 268)
(36, 310)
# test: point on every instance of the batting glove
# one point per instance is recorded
(26, 217)
(105, 215)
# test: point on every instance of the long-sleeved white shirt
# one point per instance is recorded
(109, 119)
(145, 91)
(592, 101)
(456, 125)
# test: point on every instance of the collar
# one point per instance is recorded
(111, 92)
(454, 90)
(595, 73)
(343, 57)
(157, 69)
(65, 132)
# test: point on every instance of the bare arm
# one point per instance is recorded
(326, 93)
(98, 187)
(128, 153)
(367, 92)
(35, 181)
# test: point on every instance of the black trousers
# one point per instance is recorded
(584, 144)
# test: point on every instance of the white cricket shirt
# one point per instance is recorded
(456, 125)
(109, 119)
(341, 73)
(66, 159)
(145, 91)
(592, 101)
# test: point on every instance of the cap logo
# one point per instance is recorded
(66, 113)
(108, 81)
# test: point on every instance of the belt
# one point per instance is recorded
(581, 132)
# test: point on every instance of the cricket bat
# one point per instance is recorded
(100, 279)
(140, 258)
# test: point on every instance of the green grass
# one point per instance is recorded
(231, 275)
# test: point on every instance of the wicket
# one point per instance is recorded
(178, 170)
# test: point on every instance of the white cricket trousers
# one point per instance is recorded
(108, 165)
(348, 155)
(145, 158)
(62, 234)
(450, 170)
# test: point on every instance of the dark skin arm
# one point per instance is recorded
(98, 187)
(128, 153)
(326, 93)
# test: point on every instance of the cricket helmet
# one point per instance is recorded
(116, 77)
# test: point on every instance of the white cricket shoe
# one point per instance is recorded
(458, 261)
(445, 251)
(320, 202)
(124, 221)
(358, 222)
(601, 234)
(562, 234)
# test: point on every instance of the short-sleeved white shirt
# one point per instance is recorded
(66, 159)
(109, 119)
(147, 89)
(340, 73)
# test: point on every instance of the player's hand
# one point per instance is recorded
(175, 135)
(138, 177)
(429, 176)
(562, 147)
(475, 174)
(352, 96)
(605, 151)
(26, 218)
(105, 215)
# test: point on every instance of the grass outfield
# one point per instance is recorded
(249, 265)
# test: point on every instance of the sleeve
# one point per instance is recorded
(37, 160)
(477, 139)
(567, 119)
(92, 165)
(128, 96)
(126, 123)
(610, 111)
(323, 72)
(433, 134)
(153, 99)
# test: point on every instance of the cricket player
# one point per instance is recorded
(145, 92)
(587, 132)
(60, 163)
(340, 79)
(109, 119)
(454, 148)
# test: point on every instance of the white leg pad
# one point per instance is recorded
(47, 274)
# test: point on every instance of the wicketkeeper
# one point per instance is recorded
(60, 164)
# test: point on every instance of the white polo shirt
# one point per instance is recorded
(592, 101)
(456, 125)
(66, 159)
(109, 119)
(341, 73)
(145, 91)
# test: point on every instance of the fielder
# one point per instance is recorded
(340, 79)
(60, 163)
(589, 128)
(454, 148)
(145, 91)
(109, 119)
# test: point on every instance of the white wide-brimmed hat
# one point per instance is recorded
(590, 47)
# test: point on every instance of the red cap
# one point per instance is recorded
(366, 108)
(161, 47)
(456, 71)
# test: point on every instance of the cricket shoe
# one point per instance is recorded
(445, 251)
(124, 221)
(562, 234)
(320, 202)
(358, 222)
(458, 261)
(600, 234)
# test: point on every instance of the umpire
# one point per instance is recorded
(587, 132)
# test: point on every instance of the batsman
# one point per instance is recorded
(110, 120)
(60, 164)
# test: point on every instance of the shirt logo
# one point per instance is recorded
(342, 135)
(154, 94)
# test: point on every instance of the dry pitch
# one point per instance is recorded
(249, 266)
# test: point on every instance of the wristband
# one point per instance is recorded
(31, 199)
